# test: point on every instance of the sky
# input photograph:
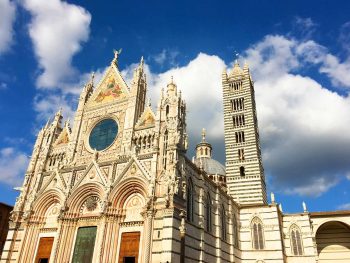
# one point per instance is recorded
(298, 53)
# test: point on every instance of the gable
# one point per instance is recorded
(111, 87)
(146, 120)
(93, 173)
(63, 138)
(133, 169)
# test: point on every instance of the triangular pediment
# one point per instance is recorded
(112, 87)
(92, 174)
(56, 181)
(63, 138)
(146, 120)
(133, 169)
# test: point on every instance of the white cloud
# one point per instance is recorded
(199, 81)
(344, 37)
(273, 56)
(13, 164)
(344, 206)
(7, 17)
(303, 125)
(304, 27)
(46, 105)
(57, 31)
(161, 57)
(337, 71)
(166, 57)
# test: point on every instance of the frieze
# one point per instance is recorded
(48, 230)
(145, 156)
(131, 224)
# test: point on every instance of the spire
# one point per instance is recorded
(171, 86)
(203, 135)
(92, 78)
(58, 113)
(237, 70)
(47, 123)
(58, 117)
(203, 149)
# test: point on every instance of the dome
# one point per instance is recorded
(210, 166)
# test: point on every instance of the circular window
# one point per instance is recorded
(103, 134)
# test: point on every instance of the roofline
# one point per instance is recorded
(330, 213)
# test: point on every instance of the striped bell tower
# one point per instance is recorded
(244, 170)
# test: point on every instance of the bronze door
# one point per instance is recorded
(84, 245)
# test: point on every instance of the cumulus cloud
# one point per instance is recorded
(13, 164)
(303, 125)
(7, 17)
(57, 30)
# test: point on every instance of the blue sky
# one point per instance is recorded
(298, 53)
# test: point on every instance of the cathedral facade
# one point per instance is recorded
(117, 186)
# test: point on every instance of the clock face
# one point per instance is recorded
(103, 134)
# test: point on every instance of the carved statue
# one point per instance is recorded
(184, 190)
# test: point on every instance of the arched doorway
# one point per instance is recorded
(333, 242)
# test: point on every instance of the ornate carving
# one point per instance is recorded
(91, 203)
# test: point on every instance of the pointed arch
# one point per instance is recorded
(123, 190)
(80, 194)
(296, 240)
(46, 200)
(257, 230)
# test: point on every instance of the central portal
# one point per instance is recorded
(129, 247)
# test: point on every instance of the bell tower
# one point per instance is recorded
(244, 170)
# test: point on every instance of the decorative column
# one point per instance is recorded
(182, 229)
(148, 237)
(57, 240)
(103, 239)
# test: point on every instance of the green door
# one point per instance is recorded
(84, 245)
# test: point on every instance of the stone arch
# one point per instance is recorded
(333, 242)
(124, 189)
(133, 206)
(327, 220)
(45, 201)
(80, 194)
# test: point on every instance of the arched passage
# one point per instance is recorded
(333, 242)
